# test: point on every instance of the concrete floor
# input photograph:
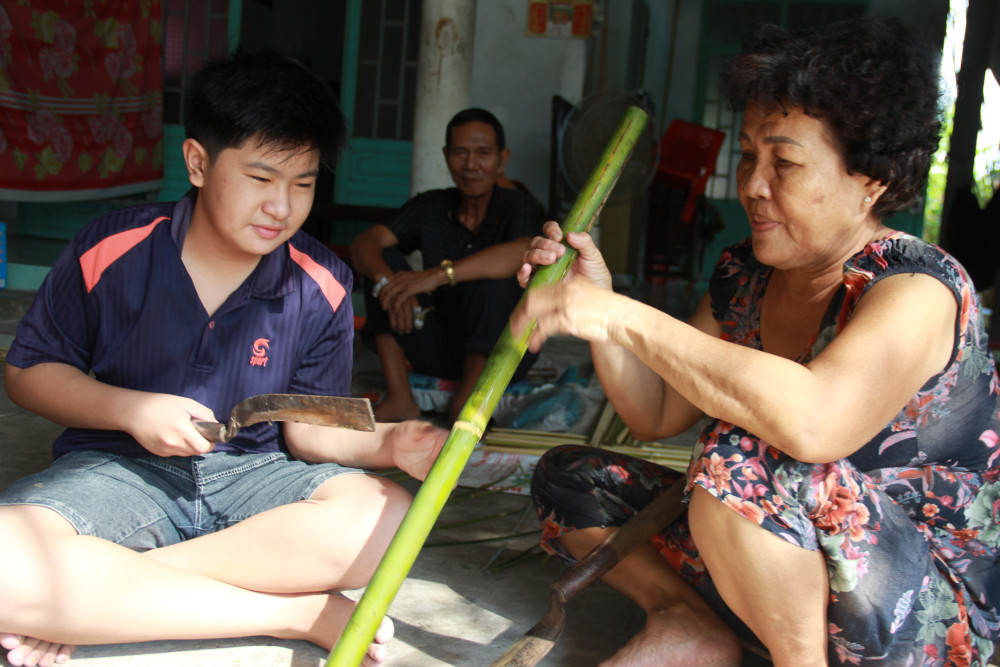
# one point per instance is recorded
(453, 609)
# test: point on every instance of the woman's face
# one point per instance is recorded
(805, 210)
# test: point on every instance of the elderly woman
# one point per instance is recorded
(843, 492)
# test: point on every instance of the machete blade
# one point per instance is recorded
(338, 411)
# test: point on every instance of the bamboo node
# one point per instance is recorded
(470, 427)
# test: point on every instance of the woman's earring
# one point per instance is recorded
(868, 200)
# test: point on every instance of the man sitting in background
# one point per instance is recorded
(472, 238)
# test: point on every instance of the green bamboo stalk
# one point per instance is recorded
(472, 420)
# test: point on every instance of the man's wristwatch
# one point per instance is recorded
(449, 270)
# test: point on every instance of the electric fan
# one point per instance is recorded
(585, 132)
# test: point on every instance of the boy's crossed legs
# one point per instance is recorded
(271, 574)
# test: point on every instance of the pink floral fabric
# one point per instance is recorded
(81, 102)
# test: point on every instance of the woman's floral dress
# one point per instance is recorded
(909, 524)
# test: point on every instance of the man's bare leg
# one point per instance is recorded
(475, 363)
(104, 591)
(398, 404)
(681, 629)
(778, 589)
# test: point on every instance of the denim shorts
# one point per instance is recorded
(149, 502)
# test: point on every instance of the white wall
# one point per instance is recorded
(515, 77)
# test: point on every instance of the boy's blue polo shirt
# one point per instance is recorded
(120, 302)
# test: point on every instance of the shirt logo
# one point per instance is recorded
(260, 347)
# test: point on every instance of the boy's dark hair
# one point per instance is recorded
(269, 96)
(869, 79)
(476, 115)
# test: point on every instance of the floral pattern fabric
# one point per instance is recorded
(909, 525)
(81, 98)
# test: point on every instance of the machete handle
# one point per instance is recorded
(663, 510)
(211, 431)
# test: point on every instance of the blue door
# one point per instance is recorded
(378, 90)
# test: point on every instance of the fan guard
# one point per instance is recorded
(586, 132)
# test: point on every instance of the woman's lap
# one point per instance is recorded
(578, 487)
(892, 600)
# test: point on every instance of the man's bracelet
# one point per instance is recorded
(382, 282)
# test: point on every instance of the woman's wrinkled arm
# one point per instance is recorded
(648, 405)
(646, 402)
(899, 336)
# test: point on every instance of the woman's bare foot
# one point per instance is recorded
(679, 636)
(396, 409)
(329, 623)
(29, 651)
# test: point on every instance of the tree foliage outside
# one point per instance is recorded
(986, 171)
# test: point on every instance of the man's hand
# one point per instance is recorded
(401, 316)
(399, 295)
(161, 423)
(415, 446)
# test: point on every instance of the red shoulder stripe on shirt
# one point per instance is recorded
(94, 262)
(331, 288)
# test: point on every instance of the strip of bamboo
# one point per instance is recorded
(672, 456)
(468, 428)
(603, 422)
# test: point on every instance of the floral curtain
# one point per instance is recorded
(81, 99)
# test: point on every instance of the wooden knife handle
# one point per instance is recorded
(211, 431)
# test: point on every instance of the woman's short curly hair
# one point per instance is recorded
(869, 79)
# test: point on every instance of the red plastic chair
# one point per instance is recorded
(688, 153)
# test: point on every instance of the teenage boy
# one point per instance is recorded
(157, 315)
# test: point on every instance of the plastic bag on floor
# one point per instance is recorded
(569, 406)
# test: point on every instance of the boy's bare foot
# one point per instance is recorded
(396, 409)
(331, 620)
(29, 651)
(679, 637)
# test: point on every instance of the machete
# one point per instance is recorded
(339, 411)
